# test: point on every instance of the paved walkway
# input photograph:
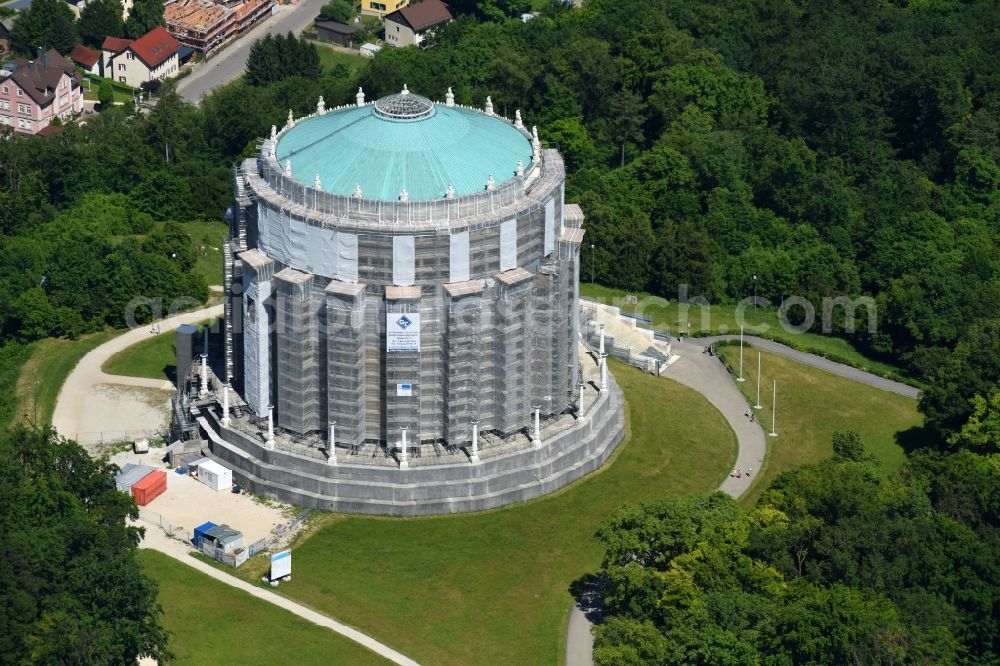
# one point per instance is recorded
(157, 540)
(71, 416)
(817, 362)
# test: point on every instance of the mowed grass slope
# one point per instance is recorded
(812, 404)
(493, 588)
(212, 623)
(44, 373)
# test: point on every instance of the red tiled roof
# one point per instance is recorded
(81, 55)
(115, 44)
(50, 130)
(422, 15)
(155, 46)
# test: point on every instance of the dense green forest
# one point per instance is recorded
(71, 588)
(838, 563)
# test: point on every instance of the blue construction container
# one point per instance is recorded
(199, 533)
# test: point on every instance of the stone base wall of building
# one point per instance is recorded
(497, 481)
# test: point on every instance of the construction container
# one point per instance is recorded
(141, 445)
(131, 474)
(199, 533)
(150, 487)
(215, 476)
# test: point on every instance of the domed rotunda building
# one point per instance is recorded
(402, 315)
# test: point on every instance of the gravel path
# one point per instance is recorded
(81, 410)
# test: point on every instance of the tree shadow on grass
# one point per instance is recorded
(586, 590)
(917, 437)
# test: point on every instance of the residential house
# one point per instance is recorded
(336, 33)
(134, 62)
(409, 25)
(38, 91)
(88, 59)
(380, 8)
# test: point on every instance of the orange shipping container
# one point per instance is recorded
(149, 488)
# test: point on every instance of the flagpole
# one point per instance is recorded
(758, 405)
(774, 401)
(740, 378)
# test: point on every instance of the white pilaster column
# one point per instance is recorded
(204, 376)
(536, 441)
(270, 428)
(225, 404)
(604, 374)
(475, 442)
(403, 462)
(579, 409)
(332, 453)
(600, 349)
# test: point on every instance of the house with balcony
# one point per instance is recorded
(37, 91)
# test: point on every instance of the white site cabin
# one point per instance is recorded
(215, 476)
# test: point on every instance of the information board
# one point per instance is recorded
(281, 564)
(402, 332)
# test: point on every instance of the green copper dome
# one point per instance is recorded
(404, 141)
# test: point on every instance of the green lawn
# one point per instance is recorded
(812, 404)
(720, 319)
(493, 588)
(206, 237)
(330, 58)
(213, 623)
(51, 361)
(155, 358)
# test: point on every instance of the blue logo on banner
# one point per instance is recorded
(403, 322)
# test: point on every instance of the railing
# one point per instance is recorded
(117, 436)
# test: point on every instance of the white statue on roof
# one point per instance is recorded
(405, 90)
(316, 183)
(357, 191)
(490, 184)
(489, 105)
(360, 97)
(320, 106)
(404, 195)
(449, 99)
(520, 168)
(291, 119)
(518, 123)
(288, 168)
(274, 132)
(450, 194)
